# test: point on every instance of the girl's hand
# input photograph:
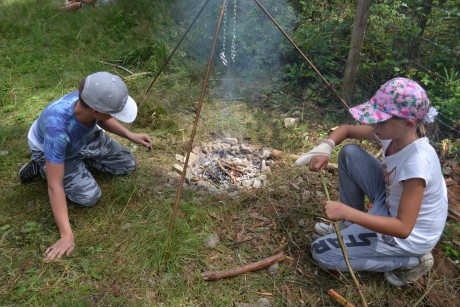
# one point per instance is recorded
(334, 210)
(142, 139)
(318, 163)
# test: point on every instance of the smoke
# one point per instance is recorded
(247, 55)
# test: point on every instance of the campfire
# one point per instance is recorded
(227, 165)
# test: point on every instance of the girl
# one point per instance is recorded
(407, 189)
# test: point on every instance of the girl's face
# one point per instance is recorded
(390, 129)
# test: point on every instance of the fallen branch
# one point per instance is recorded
(140, 74)
(454, 213)
(118, 66)
(339, 299)
(216, 275)
(342, 246)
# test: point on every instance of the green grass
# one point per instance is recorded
(122, 255)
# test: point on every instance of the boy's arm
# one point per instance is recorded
(400, 227)
(66, 244)
(112, 125)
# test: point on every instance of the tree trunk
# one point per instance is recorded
(414, 45)
(356, 43)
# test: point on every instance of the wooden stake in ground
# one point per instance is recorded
(342, 246)
(216, 275)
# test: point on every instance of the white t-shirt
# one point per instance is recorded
(417, 160)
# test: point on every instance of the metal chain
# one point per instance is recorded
(224, 37)
(233, 50)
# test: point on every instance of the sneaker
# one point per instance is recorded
(404, 277)
(324, 229)
(28, 172)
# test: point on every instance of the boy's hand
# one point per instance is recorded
(62, 247)
(142, 139)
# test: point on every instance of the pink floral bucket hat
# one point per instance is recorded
(400, 97)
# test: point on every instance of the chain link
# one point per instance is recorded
(224, 37)
(233, 48)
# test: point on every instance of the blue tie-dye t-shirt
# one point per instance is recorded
(58, 133)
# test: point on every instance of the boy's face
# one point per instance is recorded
(101, 116)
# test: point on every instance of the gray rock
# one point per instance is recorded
(231, 141)
(212, 241)
(264, 302)
(264, 153)
(319, 194)
(306, 196)
(192, 159)
(291, 122)
(247, 183)
(203, 183)
(226, 146)
(180, 158)
(244, 149)
(273, 269)
(178, 168)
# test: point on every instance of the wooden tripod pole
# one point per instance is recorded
(175, 48)
(302, 54)
(195, 124)
(342, 246)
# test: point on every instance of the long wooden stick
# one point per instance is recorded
(216, 275)
(342, 246)
(339, 299)
(195, 125)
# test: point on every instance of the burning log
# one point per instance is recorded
(225, 171)
(216, 275)
(233, 166)
(234, 163)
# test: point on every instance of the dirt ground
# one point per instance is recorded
(267, 228)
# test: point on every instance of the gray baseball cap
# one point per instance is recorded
(107, 93)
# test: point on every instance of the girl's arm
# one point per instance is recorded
(343, 132)
(400, 227)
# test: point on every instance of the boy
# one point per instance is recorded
(67, 138)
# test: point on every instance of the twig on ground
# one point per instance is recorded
(22, 213)
(342, 246)
(339, 299)
(117, 66)
(216, 275)
(140, 74)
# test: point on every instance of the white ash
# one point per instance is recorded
(226, 165)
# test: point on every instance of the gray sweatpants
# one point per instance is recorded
(361, 174)
(102, 153)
